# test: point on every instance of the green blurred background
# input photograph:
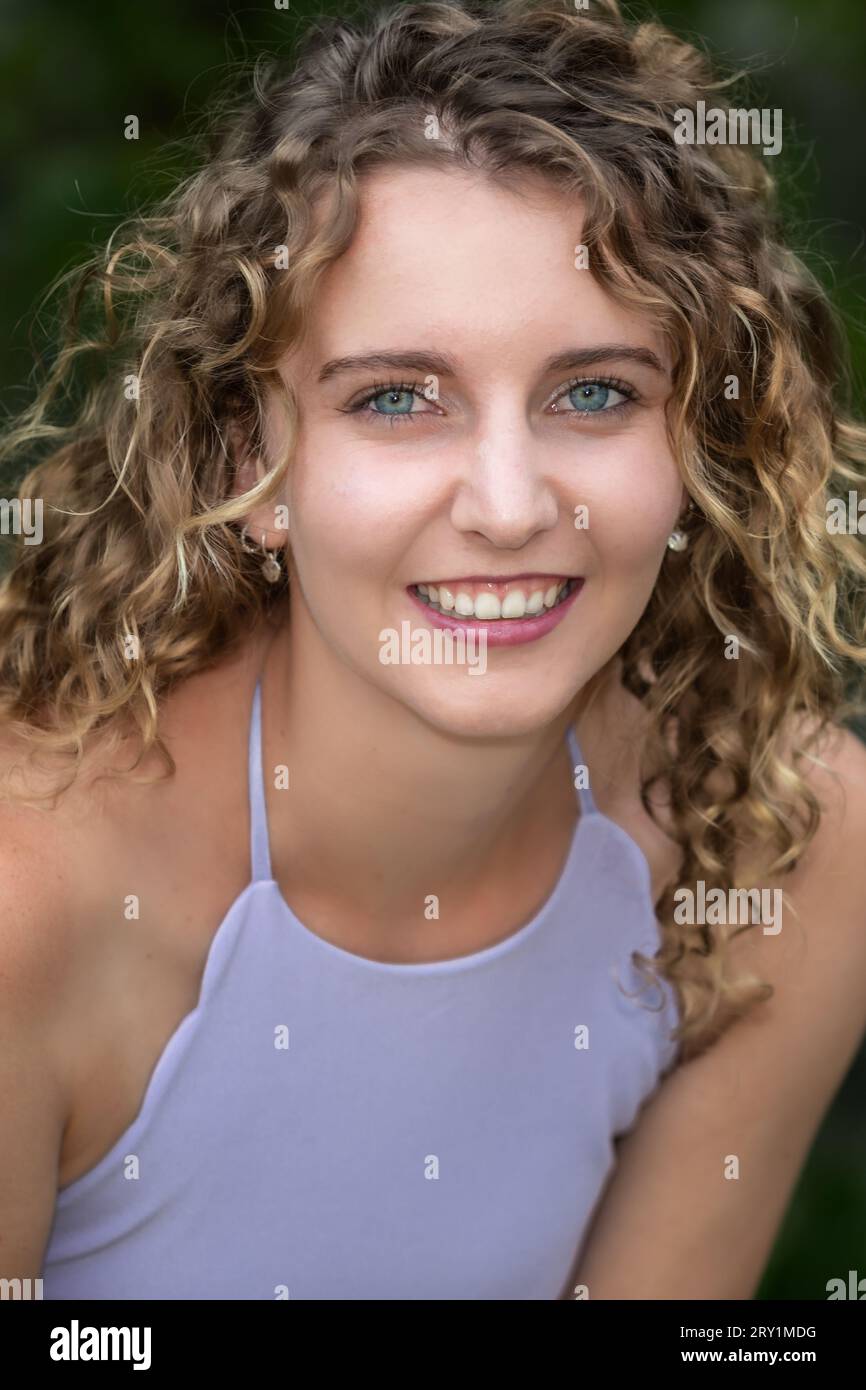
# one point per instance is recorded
(70, 74)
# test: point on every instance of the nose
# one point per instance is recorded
(503, 493)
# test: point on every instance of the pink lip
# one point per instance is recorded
(453, 580)
(506, 632)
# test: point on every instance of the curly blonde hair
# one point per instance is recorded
(194, 303)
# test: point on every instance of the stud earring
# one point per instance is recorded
(678, 539)
(271, 567)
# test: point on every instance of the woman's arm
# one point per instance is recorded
(672, 1223)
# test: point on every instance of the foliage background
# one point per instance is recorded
(71, 73)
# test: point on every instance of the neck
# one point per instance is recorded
(383, 809)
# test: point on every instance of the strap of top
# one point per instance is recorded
(587, 800)
(260, 853)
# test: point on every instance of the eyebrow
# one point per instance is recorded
(440, 365)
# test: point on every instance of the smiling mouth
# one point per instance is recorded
(494, 601)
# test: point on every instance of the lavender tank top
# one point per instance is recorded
(324, 1126)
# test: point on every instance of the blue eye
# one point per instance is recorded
(407, 395)
(397, 398)
(590, 397)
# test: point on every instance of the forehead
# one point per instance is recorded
(454, 260)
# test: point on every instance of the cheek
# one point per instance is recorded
(633, 505)
(350, 514)
(363, 500)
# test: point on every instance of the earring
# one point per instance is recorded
(678, 539)
(271, 568)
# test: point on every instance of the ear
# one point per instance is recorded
(267, 522)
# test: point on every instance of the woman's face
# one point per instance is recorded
(470, 469)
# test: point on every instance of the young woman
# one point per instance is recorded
(436, 623)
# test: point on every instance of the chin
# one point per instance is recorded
(510, 707)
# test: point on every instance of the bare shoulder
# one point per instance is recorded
(46, 904)
(824, 894)
(59, 851)
(713, 1160)
(68, 858)
(816, 963)
(833, 763)
(38, 871)
(37, 934)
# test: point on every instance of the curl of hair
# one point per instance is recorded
(195, 301)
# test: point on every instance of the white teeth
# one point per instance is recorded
(488, 606)
(464, 606)
(514, 604)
